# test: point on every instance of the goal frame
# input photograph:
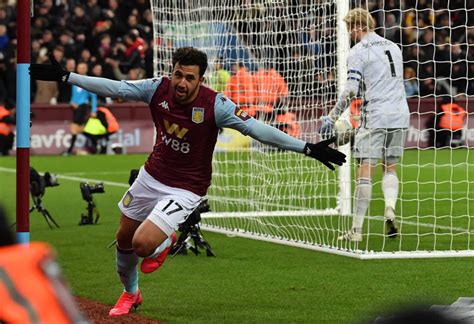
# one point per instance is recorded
(343, 207)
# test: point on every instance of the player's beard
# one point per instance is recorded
(185, 95)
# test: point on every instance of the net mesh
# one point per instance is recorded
(264, 193)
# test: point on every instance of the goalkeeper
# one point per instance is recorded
(177, 174)
(376, 65)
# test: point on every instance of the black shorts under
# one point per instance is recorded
(80, 114)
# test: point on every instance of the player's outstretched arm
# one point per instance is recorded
(229, 115)
(325, 154)
(139, 90)
(319, 151)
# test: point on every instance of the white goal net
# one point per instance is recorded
(265, 194)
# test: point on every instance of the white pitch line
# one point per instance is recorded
(59, 176)
(123, 185)
(77, 174)
(109, 183)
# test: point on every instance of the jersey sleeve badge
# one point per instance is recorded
(241, 114)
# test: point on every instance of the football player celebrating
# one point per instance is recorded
(177, 174)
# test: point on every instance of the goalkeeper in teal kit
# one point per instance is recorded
(177, 174)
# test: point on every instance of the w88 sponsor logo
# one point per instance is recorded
(175, 144)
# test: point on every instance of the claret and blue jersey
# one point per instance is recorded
(187, 133)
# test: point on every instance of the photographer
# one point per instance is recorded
(98, 129)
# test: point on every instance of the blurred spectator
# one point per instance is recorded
(241, 89)
(80, 23)
(64, 88)
(134, 55)
(219, 78)
(67, 42)
(81, 100)
(7, 122)
(133, 23)
(300, 76)
(391, 28)
(93, 10)
(271, 92)
(148, 25)
(410, 82)
(135, 73)
(98, 129)
(449, 123)
(47, 41)
(86, 57)
(4, 38)
(46, 92)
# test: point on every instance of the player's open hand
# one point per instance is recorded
(325, 154)
(49, 72)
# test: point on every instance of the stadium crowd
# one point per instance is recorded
(114, 38)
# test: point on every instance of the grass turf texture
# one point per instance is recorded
(249, 281)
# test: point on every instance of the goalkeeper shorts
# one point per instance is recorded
(379, 143)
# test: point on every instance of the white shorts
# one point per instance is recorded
(379, 143)
(165, 206)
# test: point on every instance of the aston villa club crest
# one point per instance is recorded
(198, 115)
(127, 199)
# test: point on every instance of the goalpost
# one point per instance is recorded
(283, 197)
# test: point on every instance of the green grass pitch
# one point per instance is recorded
(253, 281)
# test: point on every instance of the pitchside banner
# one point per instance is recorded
(53, 138)
(50, 130)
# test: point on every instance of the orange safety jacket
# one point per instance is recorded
(241, 90)
(32, 289)
(5, 129)
(453, 117)
(112, 123)
(355, 112)
(270, 87)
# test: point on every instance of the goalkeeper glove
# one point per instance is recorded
(327, 128)
(49, 72)
(325, 154)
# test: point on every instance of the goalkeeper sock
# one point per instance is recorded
(73, 141)
(390, 189)
(363, 194)
(160, 248)
(127, 261)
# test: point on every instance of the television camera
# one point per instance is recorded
(87, 191)
(191, 237)
(38, 185)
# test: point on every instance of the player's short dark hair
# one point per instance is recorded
(191, 56)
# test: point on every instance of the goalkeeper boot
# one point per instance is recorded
(149, 265)
(390, 226)
(351, 236)
(126, 302)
